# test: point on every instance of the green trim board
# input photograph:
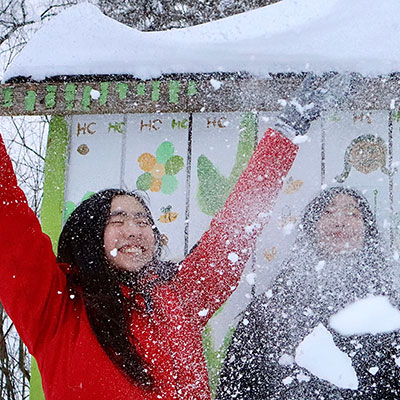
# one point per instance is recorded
(54, 179)
(52, 207)
(36, 390)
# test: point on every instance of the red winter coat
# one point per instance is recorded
(56, 329)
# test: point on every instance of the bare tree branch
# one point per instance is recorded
(151, 15)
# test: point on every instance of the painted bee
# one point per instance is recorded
(293, 186)
(270, 254)
(167, 215)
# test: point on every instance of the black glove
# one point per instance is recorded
(310, 100)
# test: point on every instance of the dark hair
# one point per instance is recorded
(316, 208)
(81, 245)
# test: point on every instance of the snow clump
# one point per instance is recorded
(371, 315)
(318, 354)
(215, 84)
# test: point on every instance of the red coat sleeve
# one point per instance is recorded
(32, 287)
(212, 271)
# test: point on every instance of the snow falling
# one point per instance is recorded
(316, 313)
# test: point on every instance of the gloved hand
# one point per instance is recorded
(310, 100)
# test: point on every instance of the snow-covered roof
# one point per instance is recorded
(289, 36)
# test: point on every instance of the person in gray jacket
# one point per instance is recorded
(336, 260)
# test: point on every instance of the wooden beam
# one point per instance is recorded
(194, 93)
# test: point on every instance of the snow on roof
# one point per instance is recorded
(289, 36)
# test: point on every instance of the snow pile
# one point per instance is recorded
(289, 36)
(318, 354)
(371, 315)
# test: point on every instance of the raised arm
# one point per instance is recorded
(32, 288)
(212, 271)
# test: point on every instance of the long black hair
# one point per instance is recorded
(81, 245)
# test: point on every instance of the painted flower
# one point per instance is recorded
(160, 170)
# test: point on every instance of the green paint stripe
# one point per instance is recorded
(35, 385)
(52, 207)
(103, 93)
(70, 91)
(122, 90)
(215, 357)
(30, 100)
(86, 98)
(192, 88)
(8, 98)
(141, 89)
(155, 93)
(174, 91)
(54, 178)
(50, 98)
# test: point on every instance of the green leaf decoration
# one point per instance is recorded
(143, 181)
(214, 188)
(169, 184)
(164, 152)
(88, 195)
(174, 165)
(214, 358)
(69, 207)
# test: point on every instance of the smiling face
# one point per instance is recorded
(129, 241)
(341, 227)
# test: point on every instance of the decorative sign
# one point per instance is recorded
(186, 164)
(175, 160)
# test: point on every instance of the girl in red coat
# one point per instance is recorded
(108, 319)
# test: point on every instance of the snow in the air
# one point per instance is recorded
(289, 36)
(286, 359)
(251, 278)
(320, 266)
(94, 94)
(318, 354)
(203, 313)
(215, 84)
(301, 139)
(268, 293)
(371, 315)
(373, 370)
(233, 257)
(288, 380)
(302, 377)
